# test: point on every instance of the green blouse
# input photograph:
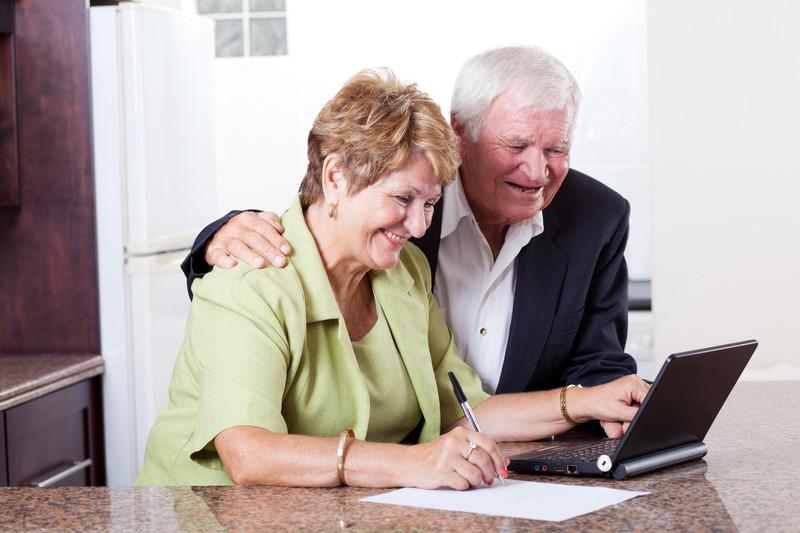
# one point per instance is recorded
(394, 409)
(269, 348)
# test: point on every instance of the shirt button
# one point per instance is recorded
(483, 331)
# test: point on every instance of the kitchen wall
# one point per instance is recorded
(724, 80)
(265, 105)
(721, 238)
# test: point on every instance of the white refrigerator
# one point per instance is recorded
(152, 98)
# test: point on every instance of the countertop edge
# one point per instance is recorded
(51, 381)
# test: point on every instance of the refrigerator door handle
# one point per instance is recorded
(166, 263)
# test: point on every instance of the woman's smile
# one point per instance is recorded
(393, 238)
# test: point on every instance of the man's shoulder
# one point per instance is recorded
(582, 196)
(578, 185)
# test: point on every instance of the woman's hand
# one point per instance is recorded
(613, 404)
(452, 461)
(252, 237)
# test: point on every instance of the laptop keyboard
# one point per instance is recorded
(590, 452)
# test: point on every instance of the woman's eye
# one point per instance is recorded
(402, 199)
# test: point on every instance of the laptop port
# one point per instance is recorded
(572, 469)
(559, 469)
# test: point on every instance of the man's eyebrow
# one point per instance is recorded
(516, 139)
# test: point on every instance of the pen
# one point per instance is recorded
(462, 400)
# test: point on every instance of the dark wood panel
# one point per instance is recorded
(50, 433)
(97, 447)
(9, 173)
(3, 466)
(48, 274)
(7, 16)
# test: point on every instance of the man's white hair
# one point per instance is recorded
(534, 78)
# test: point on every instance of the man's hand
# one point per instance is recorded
(252, 237)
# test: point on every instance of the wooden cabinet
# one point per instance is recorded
(53, 440)
(51, 420)
(48, 275)
(3, 466)
(48, 271)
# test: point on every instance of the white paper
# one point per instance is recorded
(517, 499)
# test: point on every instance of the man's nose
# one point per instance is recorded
(535, 163)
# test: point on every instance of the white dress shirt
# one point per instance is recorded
(474, 292)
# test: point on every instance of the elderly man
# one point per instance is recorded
(526, 254)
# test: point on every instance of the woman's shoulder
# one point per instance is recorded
(267, 283)
(245, 285)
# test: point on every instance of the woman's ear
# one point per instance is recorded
(334, 179)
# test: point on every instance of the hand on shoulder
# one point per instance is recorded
(253, 237)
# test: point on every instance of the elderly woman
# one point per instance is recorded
(334, 369)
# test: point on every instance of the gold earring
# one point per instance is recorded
(332, 211)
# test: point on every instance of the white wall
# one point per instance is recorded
(724, 86)
(265, 106)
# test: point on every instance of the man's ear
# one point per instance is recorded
(461, 133)
(334, 179)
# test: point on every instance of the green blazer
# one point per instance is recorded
(269, 348)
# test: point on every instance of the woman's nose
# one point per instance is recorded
(417, 221)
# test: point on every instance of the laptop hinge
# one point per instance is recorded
(662, 459)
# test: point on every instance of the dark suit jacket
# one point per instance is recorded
(570, 317)
(569, 322)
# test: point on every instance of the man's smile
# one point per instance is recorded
(528, 190)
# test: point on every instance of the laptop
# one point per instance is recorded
(669, 427)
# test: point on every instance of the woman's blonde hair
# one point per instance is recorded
(374, 124)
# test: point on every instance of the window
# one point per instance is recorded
(246, 28)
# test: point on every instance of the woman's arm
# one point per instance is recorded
(254, 456)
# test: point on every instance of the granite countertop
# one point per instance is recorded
(738, 486)
(246, 509)
(27, 377)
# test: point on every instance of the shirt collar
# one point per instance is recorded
(456, 207)
(320, 302)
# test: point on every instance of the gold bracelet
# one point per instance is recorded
(564, 404)
(340, 453)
